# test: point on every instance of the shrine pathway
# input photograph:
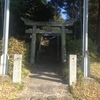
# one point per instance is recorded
(43, 83)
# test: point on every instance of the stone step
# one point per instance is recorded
(45, 92)
(47, 88)
(46, 97)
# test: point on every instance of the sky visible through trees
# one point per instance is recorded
(63, 15)
(53, 11)
(62, 10)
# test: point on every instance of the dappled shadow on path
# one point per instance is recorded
(44, 81)
(46, 73)
(46, 69)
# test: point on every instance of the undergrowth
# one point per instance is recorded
(9, 90)
(81, 90)
(88, 91)
(19, 47)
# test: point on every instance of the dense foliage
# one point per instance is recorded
(20, 48)
(8, 90)
(74, 9)
(49, 10)
(37, 10)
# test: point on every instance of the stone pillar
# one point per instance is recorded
(63, 43)
(72, 69)
(33, 45)
(17, 68)
(57, 46)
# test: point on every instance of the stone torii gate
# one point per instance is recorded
(61, 28)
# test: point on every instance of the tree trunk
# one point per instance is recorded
(98, 29)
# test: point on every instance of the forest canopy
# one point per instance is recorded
(50, 10)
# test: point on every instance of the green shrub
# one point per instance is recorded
(75, 47)
(93, 54)
(15, 47)
(18, 47)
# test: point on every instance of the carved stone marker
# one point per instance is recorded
(72, 69)
(17, 68)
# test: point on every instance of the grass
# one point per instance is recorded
(19, 47)
(80, 91)
(88, 91)
(9, 90)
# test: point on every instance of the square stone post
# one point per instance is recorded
(17, 68)
(33, 45)
(63, 43)
(72, 69)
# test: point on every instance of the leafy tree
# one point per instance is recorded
(37, 10)
(40, 10)
(98, 28)
(71, 7)
(93, 10)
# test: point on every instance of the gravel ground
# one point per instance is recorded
(43, 83)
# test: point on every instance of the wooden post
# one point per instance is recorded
(63, 42)
(33, 45)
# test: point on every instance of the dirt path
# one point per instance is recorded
(44, 84)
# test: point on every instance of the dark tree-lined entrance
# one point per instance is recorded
(49, 28)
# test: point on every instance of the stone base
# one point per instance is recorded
(88, 80)
(3, 78)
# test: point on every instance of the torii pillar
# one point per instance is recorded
(33, 45)
(63, 43)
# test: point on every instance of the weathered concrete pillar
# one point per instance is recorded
(57, 46)
(72, 69)
(17, 68)
(63, 43)
(33, 45)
